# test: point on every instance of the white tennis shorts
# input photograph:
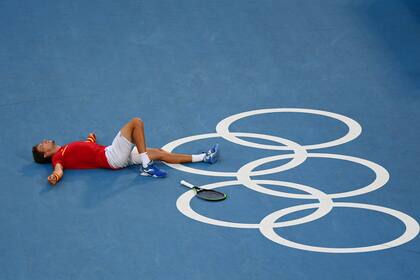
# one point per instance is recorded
(121, 152)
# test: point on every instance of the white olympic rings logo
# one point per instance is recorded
(300, 153)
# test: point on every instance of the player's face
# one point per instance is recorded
(47, 147)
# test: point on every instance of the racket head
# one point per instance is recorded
(210, 195)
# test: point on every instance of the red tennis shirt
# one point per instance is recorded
(81, 155)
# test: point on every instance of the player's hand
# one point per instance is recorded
(92, 137)
(52, 179)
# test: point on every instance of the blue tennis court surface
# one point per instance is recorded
(315, 106)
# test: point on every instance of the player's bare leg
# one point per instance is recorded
(133, 131)
(159, 154)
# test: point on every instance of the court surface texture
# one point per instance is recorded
(315, 106)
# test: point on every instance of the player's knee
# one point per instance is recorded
(165, 155)
(160, 155)
(137, 122)
(163, 152)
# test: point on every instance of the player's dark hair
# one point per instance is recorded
(39, 156)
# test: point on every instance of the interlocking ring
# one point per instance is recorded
(300, 154)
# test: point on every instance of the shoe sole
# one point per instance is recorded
(148, 175)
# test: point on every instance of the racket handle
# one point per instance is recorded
(186, 184)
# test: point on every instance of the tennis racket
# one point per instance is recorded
(210, 195)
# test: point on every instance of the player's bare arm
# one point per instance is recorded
(56, 175)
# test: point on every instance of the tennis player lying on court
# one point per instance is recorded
(127, 148)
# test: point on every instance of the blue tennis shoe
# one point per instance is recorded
(152, 170)
(212, 154)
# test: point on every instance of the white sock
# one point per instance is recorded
(144, 159)
(198, 158)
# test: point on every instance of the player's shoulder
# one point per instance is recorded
(58, 156)
(59, 153)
